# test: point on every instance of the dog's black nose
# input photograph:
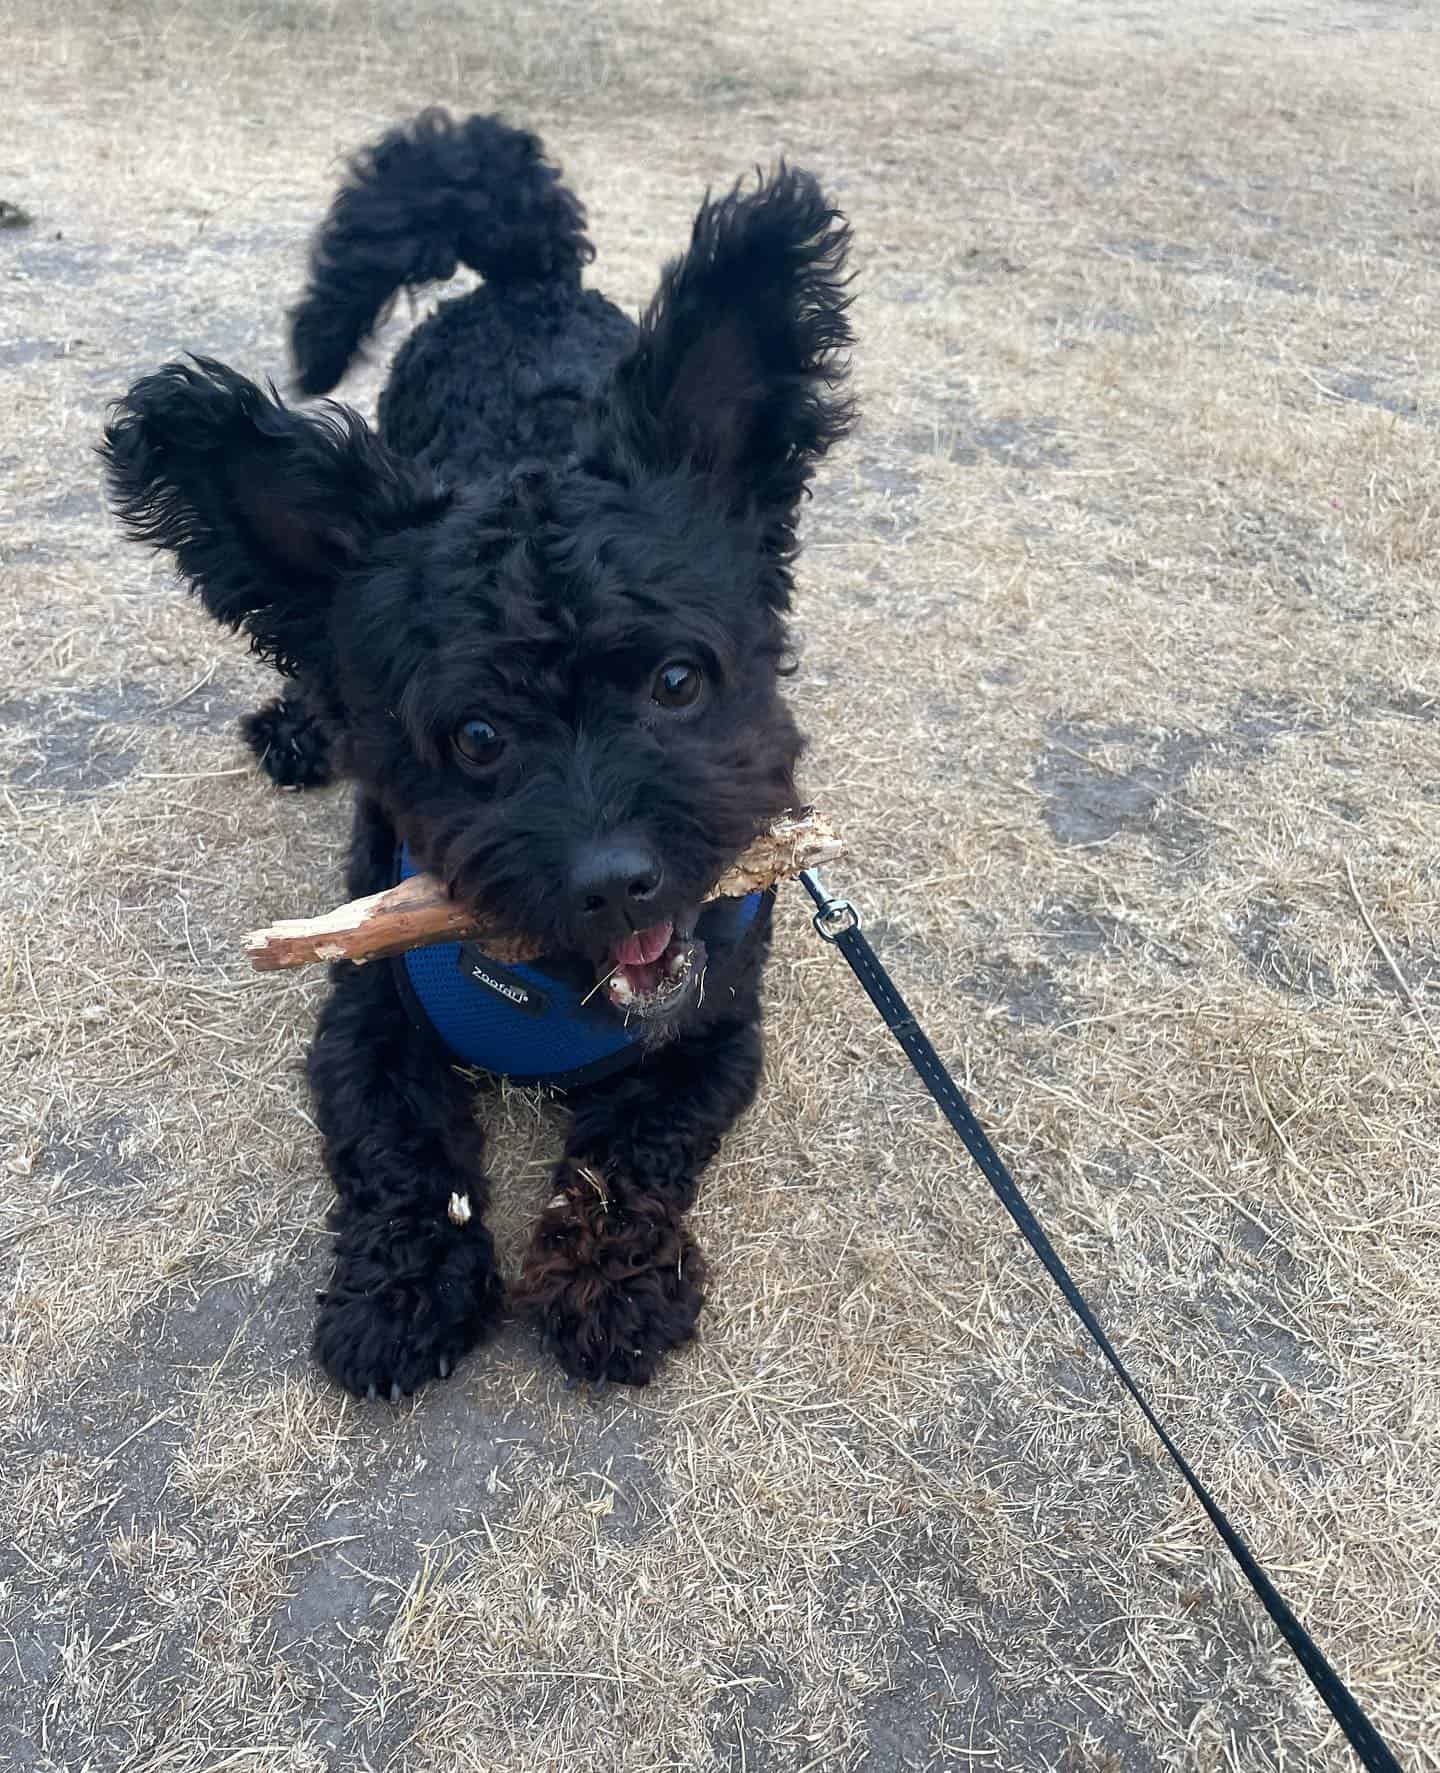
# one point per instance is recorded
(613, 883)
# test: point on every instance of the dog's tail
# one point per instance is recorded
(429, 194)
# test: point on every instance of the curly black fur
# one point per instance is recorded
(429, 195)
(266, 510)
(562, 504)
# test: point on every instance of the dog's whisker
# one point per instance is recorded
(600, 984)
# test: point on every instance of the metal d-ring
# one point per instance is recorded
(836, 917)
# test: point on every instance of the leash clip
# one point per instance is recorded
(836, 917)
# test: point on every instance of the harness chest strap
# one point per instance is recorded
(533, 1022)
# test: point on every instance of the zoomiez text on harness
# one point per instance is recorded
(538, 619)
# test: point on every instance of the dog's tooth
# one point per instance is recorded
(621, 989)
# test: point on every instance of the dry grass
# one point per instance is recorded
(1120, 662)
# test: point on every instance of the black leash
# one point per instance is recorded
(838, 922)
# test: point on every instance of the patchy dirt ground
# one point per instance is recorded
(1121, 664)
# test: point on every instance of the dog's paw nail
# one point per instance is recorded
(443, 1367)
(574, 1382)
(371, 1393)
(395, 1392)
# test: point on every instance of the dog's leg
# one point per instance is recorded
(612, 1278)
(415, 1284)
(290, 743)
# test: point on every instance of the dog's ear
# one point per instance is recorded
(263, 508)
(739, 369)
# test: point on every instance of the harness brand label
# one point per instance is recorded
(484, 973)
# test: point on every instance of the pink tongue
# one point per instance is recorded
(644, 946)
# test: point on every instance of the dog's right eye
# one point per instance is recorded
(477, 744)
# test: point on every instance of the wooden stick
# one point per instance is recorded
(420, 912)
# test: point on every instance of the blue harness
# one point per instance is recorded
(530, 1022)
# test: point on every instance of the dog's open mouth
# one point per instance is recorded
(653, 972)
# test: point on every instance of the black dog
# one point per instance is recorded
(539, 621)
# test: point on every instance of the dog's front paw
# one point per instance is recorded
(405, 1304)
(612, 1281)
(290, 744)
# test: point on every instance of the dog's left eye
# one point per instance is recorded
(478, 743)
(678, 684)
